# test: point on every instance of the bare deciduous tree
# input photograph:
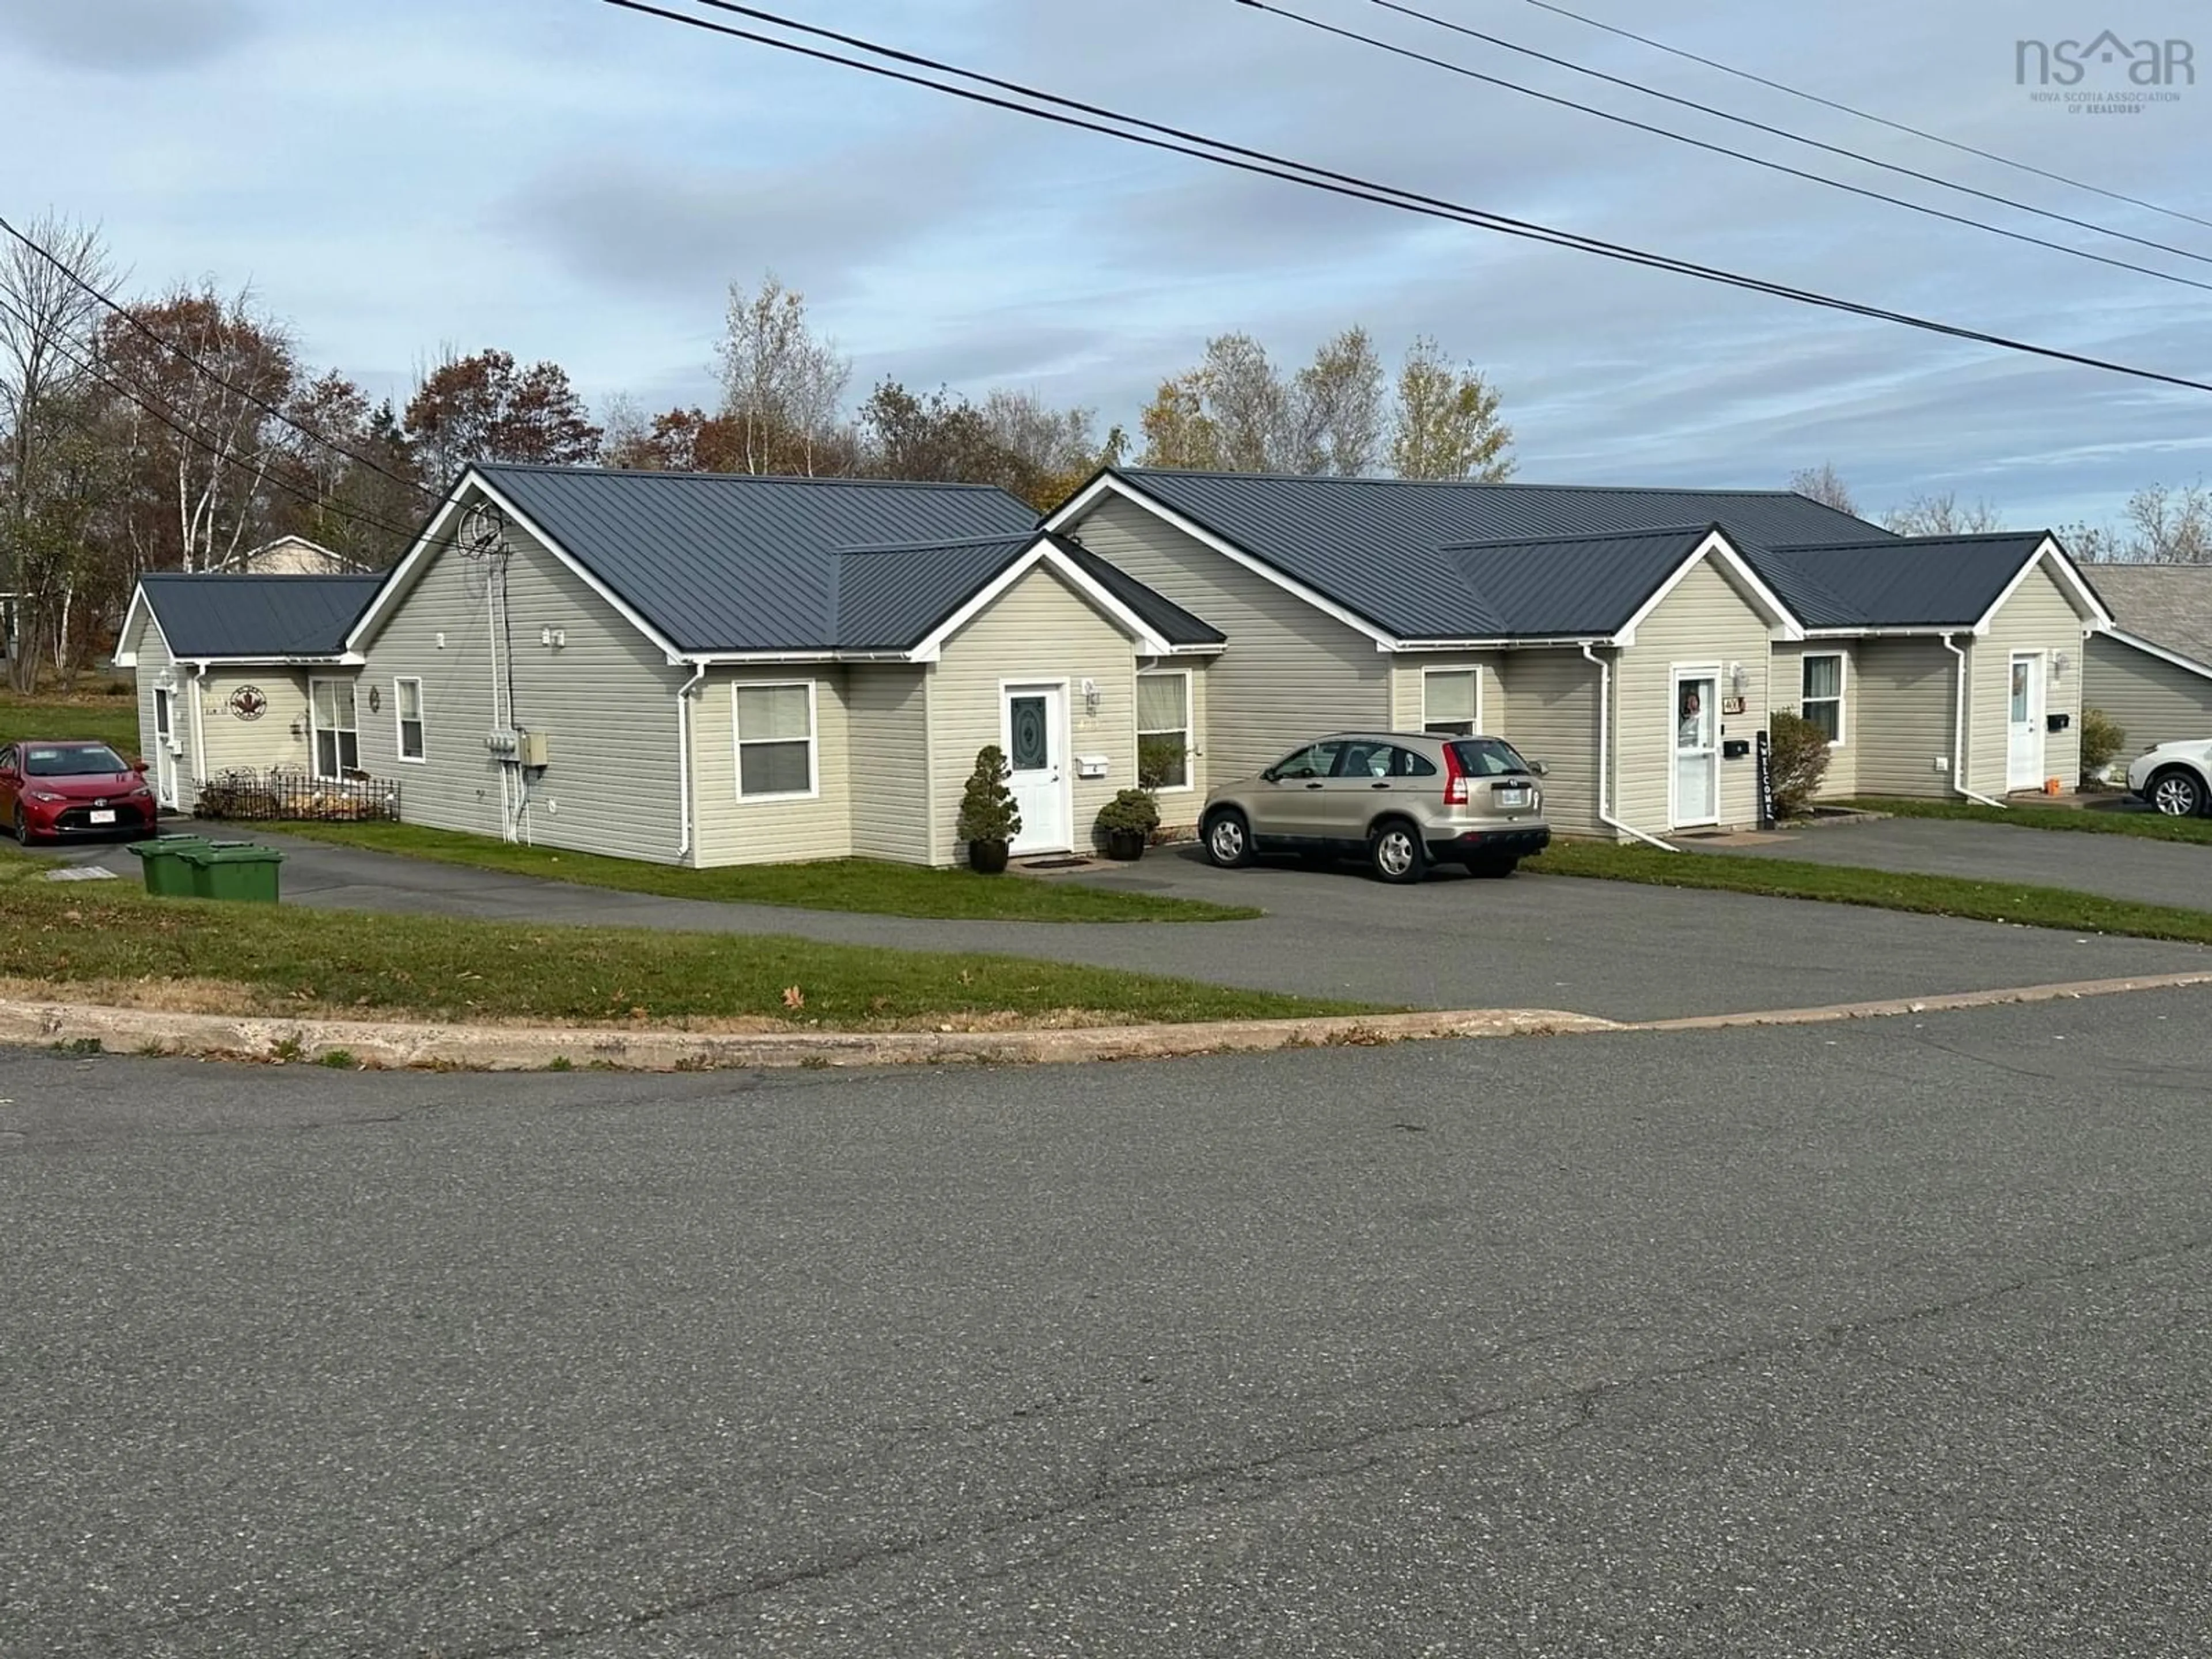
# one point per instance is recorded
(783, 385)
(1823, 484)
(1942, 515)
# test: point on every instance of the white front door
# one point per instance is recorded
(2024, 723)
(1696, 783)
(165, 748)
(1035, 720)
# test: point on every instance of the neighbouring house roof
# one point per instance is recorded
(253, 618)
(1916, 581)
(2170, 606)
(729, 563)
(1392, 550)
(295, 555)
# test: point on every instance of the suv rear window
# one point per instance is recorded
(1487, 757)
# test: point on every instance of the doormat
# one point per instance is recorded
(1054, 864)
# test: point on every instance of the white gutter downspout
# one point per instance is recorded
(199, 731)
(684, 755)
(1959, 732)
(1605, 752)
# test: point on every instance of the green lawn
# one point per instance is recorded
(2151, 826)
(275, 959)
(865, 884)
(95, 716)
(1941, 896)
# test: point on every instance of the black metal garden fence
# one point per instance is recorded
(244, 793)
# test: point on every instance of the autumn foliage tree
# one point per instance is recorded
(486, 408)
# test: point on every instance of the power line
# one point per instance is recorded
(1244, 159)
(207, 369)
(1868, 115)
(1445, 63)
(1784, 132)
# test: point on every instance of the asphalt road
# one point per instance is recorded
(1596, 947)
(2117, 866)
(1887, 1339)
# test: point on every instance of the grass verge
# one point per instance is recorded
(1880, 889)
(112, 940)
(94, 716)
(2149, 826)
(870, 886)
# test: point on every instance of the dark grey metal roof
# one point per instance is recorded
(1916, 581)
(1569, 586)
(723, 561)
(223, 615)
(1375, 546)
(1162, 615)
(2168, 604)
(891, 599)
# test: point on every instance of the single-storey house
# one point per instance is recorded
(2152, 670)
(1633, 639)
(295, 555)
(709, 669)
(228, 668)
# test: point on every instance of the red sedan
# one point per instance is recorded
(53, 791)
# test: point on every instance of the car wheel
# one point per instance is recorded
(2177, 793)
(1497, 866)
(1395, 852)
(22, 827)
(1228, 840)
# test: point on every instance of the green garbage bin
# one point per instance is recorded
(236, 871)
(161, 862)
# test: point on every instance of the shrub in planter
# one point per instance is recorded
(2102, 740)
(989, 820)
(1798, 757)
(1128, 822)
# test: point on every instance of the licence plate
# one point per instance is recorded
(1513, 798)
(101, 817)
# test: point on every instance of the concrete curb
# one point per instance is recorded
(498, 1048)
(509, 1048)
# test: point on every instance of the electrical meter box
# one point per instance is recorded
(534, 748)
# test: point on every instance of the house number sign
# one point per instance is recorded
(248, 703)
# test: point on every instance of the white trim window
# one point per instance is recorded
(1451, 701)
(774, 729)
(1821, 697)
(407, 715)
(1164, 730)
(337, 725)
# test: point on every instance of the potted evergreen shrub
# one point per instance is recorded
(1128, 822)
(989, 820)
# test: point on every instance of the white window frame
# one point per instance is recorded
(1461, 668)
(315, 729)
(813, 790)
(1842, 699)
(399, 721)
(1190, 729)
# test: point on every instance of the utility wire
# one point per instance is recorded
(1868, 115)
(1243, 159)
(1784, 132)
(207, 369)
(1445, 63)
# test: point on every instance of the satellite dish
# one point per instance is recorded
(483, 531)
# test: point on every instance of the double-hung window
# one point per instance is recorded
(338, 728)
(1822, 700)
(1164, 730)
(775, 740)
(1450, 701)
(407, 705)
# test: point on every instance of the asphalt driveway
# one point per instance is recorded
(2114, 867)
(1596, 947)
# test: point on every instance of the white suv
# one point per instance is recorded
(2175, 778)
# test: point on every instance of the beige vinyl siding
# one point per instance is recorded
(1289, 673)
(1704, 623)
(152, 652)
(1408, 674)
(887, 725)
(2038, 617)
(774, 828)
(1555, 721)
(1904, 707)
(605, 701)
(2149, 698)
(1786, 678)
(228, 742)
(1039, 629)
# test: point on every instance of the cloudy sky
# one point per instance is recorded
(569, 180)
